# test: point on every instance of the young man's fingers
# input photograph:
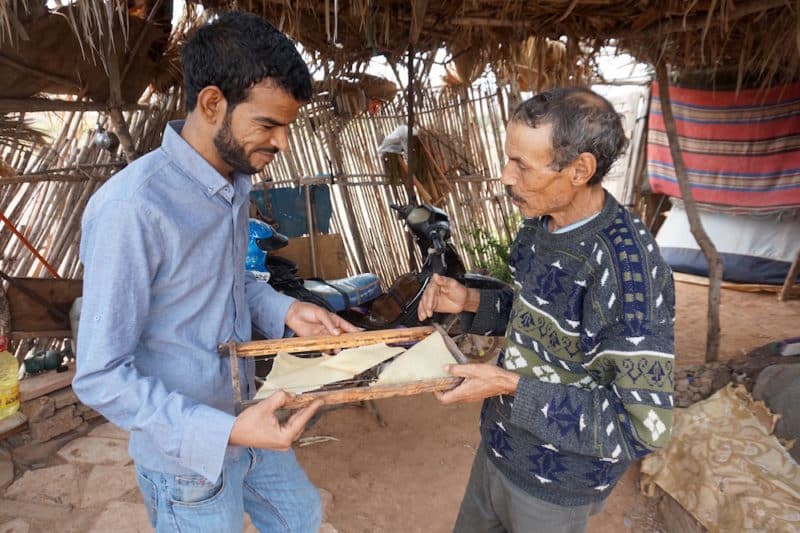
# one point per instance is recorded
(297, 422)
(326, 319)
(346, 326)
(274, 401)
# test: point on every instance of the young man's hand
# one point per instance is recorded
(308, 320)
(258, 427)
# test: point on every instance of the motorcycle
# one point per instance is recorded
(358, 298)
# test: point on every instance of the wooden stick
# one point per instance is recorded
(328, 342)
(357, 394)
(13, 105)
(60, 80)
(710, 252)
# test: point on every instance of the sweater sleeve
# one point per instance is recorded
(491, 318)
(623, 406)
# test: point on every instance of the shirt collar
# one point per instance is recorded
(195, 166)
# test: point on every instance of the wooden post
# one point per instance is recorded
(409, 182)
(114, 103)
(695, 225)
(790, 278)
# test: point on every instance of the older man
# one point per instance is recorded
(583, 385)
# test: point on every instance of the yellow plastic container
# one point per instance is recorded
(9, 382)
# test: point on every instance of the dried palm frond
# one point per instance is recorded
(10, 26)
(93, 22)
(16, 131)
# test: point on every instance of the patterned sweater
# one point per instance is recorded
(589, 327)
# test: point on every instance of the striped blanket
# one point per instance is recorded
(739, 149)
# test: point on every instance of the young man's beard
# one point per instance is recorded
(231, 152)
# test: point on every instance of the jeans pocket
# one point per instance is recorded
(150, 495)
(194, 490)
(198, 505)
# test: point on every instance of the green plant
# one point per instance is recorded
(489, 253)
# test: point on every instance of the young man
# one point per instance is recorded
(163, 248)
(583, 385)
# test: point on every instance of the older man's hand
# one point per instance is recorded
(481, 380)
(442, 295)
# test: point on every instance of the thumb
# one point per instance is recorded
(297, 422)
(459, 371)
(273, 402)
(440, 280)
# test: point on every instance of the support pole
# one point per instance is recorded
(695, 225)
(409, 182)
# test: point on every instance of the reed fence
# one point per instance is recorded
(458, 151)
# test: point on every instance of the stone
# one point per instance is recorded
(39, 409)
(6, 474)
(722, 376)
(704, 386)
(327, 527)
(33, 511)
(18, 525)
(96, 451)
(62, 421)
(106, 483)
(110, 431)
(682, 385)
(778, 386)
(55, 484)
(327, 502)
(123, 517)
(20, 439)
(65, 397)
(42, 452)
(86, 412)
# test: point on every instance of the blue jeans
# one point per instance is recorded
(269, 485)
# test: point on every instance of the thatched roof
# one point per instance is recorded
(536, 43)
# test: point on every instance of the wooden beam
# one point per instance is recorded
(37, 73)
(50, 334)
(327, 342)
(34, 105)
(360, 394)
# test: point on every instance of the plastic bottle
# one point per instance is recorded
(9, 382)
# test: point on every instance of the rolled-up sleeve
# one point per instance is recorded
(122, 249)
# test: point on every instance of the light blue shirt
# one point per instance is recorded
(163, 246)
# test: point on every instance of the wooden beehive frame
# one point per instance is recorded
(270, 348)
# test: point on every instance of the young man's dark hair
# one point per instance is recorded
(582, 121)
(238, 50)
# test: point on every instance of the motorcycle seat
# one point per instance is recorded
(344, 293)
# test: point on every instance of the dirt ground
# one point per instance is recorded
(409, 476)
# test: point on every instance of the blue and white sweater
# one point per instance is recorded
(589, 327)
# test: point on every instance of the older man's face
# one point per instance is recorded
(531, 182)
